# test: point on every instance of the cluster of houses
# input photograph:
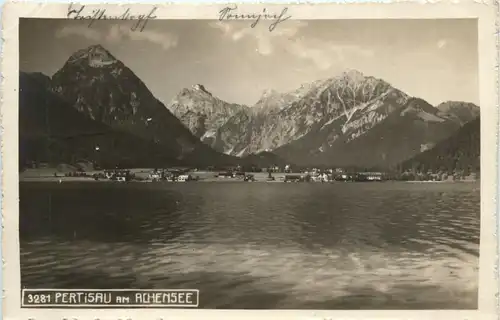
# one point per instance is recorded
(76, 173)
(311, 175)
(114, 175)
(314, 175)
(331, 175)
(235, 175)
(171, 175)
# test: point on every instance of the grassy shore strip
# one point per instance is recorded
(140, 174)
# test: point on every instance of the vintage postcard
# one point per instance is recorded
(243, 161)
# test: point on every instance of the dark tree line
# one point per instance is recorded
(458, 154)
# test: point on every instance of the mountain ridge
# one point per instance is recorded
(324, 112)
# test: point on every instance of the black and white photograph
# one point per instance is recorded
(329, 164)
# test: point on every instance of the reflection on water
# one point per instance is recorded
(244, 245)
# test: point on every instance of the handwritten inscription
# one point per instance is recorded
(230, 13)
(140, 20)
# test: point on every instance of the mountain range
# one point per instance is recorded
(96, 108)
(348, 120)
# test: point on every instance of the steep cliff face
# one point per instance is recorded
(202, 113)
(98, 85)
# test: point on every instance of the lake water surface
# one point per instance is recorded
(259, 245)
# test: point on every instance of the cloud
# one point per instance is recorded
(83, 31)
(323, 54)
(117, 33)
(240, 30)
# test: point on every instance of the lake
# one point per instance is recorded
(389, 245)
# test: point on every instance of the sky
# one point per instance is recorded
(436, 60)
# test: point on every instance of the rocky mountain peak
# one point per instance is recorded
(201, 112)
(197, 91)
(201, 88)
(104, 89)
(461, 112)
(95, 56)
(270, 98)
(269, 93)
(351, 76)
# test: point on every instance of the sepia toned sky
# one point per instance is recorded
(436, 60)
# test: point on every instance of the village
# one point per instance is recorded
(254, 174)
(266, 175)
(87, 171)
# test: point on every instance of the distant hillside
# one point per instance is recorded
(264, 159)
(459, 152)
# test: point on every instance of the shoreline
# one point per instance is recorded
(221, 180)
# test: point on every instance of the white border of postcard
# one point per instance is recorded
(488, 282)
